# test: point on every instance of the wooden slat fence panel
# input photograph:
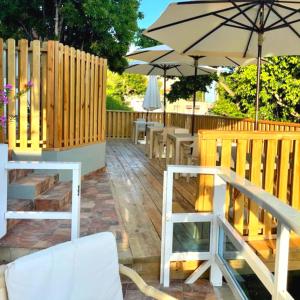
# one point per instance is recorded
(65, 107)
(268, 159)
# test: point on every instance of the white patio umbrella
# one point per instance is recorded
(163, 54)
(231, 28)
(152, 96)
(165, 70)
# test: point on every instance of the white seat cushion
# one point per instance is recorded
(85, 269)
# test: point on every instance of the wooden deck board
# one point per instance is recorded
(137, 186)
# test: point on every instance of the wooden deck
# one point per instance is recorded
(137, 188)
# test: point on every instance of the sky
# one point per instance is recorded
(152, 9)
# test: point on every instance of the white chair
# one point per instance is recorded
(140, 127)
(84, 269)
(190, 155)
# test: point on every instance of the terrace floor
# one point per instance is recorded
(125, 199)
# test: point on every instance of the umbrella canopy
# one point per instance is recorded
(231, 28)
(166, 69)
(152, 96)
(162, 54)
(169, 69)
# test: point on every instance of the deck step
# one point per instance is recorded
(18, 205)
(57, 198)
(28, 187)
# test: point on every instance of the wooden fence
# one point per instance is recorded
(119, 123)
(66, 106)
(271, 160)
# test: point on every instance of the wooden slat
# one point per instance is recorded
(103, 115)
(35, 95)
(51, 53)
(101, 103)
(72, 96)
(283, 169)
(23, 73)
(87, 99)
(96, 99)
(296, 177)
(58, 101)
(208, 152)
(11, 78)
(78, 98)
(92, 81)
(239, 200)
(225, 162)
(256, 179)
(269, 180)
(82, 98)
(66, 99)
(44, 71)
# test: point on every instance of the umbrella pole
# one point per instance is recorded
(259, 55)
(165, 93)
(195, 92)
(258, 79)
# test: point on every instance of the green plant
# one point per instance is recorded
(115, 103)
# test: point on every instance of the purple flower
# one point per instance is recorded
(29, 84)
(2, 121)
(8, 86)
(4, 99)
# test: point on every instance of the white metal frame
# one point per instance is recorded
(5, 215)
(288, 219)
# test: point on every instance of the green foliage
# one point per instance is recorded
(280, 89)
(224, 107)
(115, 103)
(126, 85)
(102, 27)
(142, 41)
(184, 87)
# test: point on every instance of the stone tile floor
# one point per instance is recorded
(201, 290)
(98, 214)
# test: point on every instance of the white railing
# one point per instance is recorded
(288, 219)
(73, 215)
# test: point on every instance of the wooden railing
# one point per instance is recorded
(66, 105)
(270, 160)
(119, 123)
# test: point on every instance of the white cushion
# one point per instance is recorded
(85, 269)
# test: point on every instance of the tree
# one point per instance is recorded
(126, 85)
(280, 89)
(142, 41)
(102, 27)
(184, 87)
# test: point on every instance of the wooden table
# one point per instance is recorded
(176, 139)
(135, 126)
(150, 135)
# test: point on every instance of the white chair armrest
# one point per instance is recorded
(146, 289)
